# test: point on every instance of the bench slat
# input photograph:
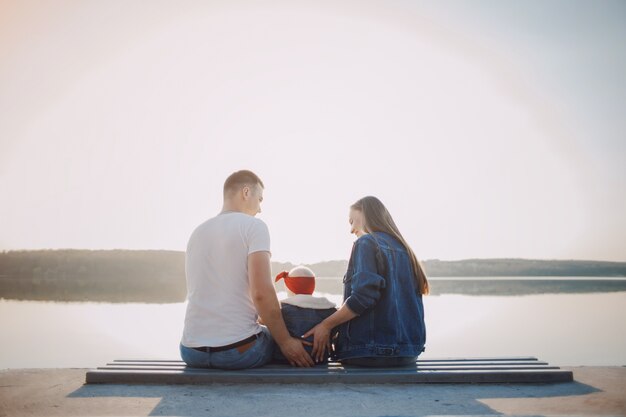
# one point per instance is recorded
(477, 359)
(350, 369)
(296, 376)
(336, 364)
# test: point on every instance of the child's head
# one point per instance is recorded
(300, 280)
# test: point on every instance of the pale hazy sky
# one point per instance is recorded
(488, 128)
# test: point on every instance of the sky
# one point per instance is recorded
(489, 129)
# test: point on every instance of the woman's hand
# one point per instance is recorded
(321, 340)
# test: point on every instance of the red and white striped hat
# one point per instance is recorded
(300, 280)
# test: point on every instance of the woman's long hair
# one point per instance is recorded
(378, 219)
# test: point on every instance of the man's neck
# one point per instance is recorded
(230, 208)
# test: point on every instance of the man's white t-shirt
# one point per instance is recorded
(220, 310)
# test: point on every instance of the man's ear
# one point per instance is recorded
(245, 192)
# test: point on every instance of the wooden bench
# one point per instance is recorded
(451, 370)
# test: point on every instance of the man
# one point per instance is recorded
(229, 286)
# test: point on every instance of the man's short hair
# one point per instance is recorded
(239, 179)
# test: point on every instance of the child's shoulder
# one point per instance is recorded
(309, 301)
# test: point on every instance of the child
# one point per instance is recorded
(301, 310)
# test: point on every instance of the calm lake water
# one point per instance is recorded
(571, 328)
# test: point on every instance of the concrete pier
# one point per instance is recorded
(61, 392)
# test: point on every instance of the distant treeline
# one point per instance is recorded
(523, 267)
(159, 276)
(99, 275)
(495, 268)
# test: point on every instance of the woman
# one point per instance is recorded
(381, 322)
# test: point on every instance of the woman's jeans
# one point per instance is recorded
(381, 362)
(259, 354)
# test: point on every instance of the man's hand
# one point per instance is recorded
(295, 353)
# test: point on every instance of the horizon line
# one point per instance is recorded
(317, 262)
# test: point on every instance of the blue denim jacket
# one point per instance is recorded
(380, 287)
(300, 320)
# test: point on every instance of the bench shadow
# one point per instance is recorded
(335, 399)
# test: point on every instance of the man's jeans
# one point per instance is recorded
(258, 355)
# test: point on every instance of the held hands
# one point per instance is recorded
(321, 341)
(294, 352)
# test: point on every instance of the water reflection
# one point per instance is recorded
(564, 329)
